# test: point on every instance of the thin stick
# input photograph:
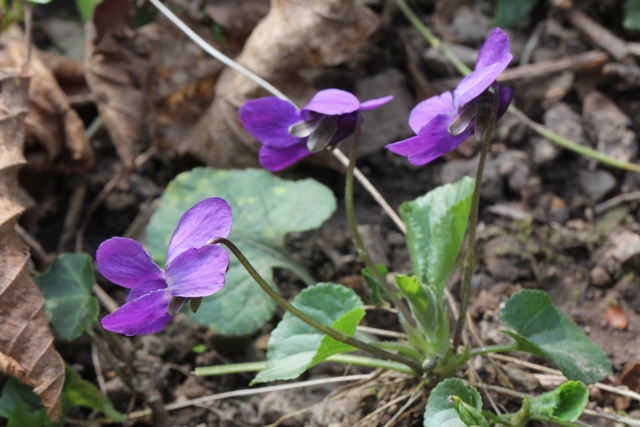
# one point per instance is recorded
(382, 332)
(251, 392)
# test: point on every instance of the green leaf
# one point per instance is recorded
(86, 8)
(265, 208)
(544, 330)
(15, 392)
(510, 12)
(78, 392)
(436, 224)
(632, 14)
(565, 403)
(428, 312)
(67, 286)
(295, 346)
(440, 413)
(21, 417)
(378, 296)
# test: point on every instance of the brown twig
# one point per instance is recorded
(598, 35)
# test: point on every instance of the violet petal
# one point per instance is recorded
(429, 108)
(125, 262)
(493, 59)
(375, 103)
(333, 102)
(207, 219)
(146, 288)
(432, 141)
(275, 159)
(198, 272)
(268, 120)
(505, 96)
(145, 315)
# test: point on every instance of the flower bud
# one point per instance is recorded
(467, 413)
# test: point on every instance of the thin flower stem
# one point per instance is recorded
(333, 333)
(469, 260)
(357, 239)
(540, 129)
(347, 359)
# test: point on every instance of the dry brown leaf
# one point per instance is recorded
(26, 343)
(294, 37)
(181, 84)
(51, 122)
(238, 18)
(116, 72)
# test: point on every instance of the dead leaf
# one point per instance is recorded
(116, 71)
(631, 377)
(25, 336)
(238, 18)
(181, 84)
(615, 317)
(293, 37)
(51, 122)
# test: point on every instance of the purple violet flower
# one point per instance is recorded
(288, 134)
(194, 269)
(443, 122)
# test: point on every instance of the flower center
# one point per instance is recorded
(460, 123)
(320, 129)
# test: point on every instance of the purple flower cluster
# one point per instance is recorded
(443, 122)
(288, 134)
(194, 269)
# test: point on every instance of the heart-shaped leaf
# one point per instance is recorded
(564, 403)
(544, 330)
(295, 346)
(67, 286)
(439, 412)
(265, 208)
(436, 224)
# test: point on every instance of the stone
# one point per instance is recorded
(596, 184)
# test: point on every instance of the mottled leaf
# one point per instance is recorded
(265, 208)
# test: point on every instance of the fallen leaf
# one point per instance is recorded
(51, 122)
(237, 18)
(614, 316)
(26, 345)
(116, 71)
(181, 84)
(292, 38)
(631, 377)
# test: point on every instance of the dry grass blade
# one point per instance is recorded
(26, 343)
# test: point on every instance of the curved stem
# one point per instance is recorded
(327, 330)
(357, 239)
(469, 260)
